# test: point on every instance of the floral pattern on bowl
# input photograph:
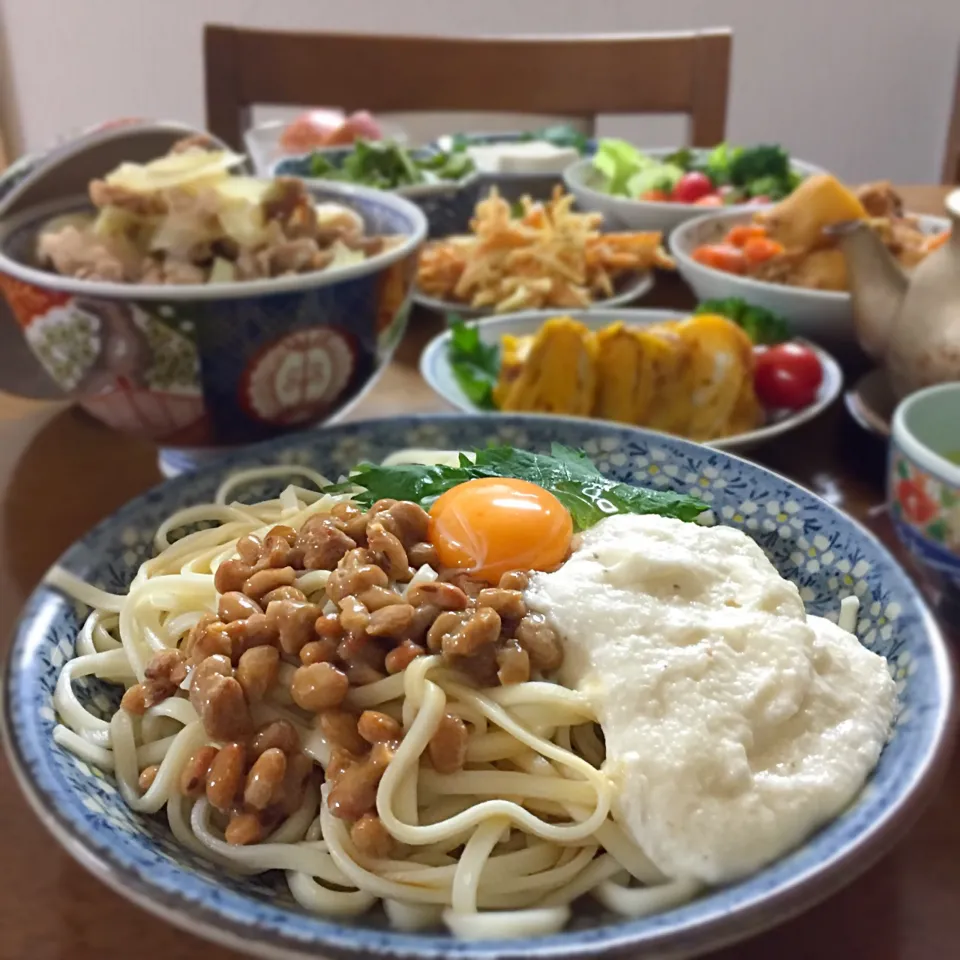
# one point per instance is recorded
(926, 512)
(826, 553)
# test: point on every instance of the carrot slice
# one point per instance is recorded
(739, 235)
(721, 256)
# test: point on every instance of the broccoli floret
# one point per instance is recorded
(752, 163)
(759, 324)
(719, 163)
(772, 187)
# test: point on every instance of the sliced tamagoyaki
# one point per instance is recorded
(671, 406)
(720, 371)
(559, 373)
(634, 369)
(513, 355)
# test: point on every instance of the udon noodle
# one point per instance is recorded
(501, 848)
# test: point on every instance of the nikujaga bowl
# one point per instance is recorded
(218, 364)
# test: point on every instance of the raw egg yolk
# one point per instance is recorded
(492, 525)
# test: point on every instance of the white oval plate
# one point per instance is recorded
(583, 181)
(436, 370)
(632, 290)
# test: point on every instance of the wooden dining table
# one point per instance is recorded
(61, 472)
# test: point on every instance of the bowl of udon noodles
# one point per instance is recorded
(184, 301)
(624, 695)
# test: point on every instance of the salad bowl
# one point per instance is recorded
(826, 553)
(590, 186)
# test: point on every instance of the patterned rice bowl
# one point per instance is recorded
(826, 553)
(218, 364)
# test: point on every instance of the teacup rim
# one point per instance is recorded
(914, 448)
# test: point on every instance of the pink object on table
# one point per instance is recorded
(328, 128)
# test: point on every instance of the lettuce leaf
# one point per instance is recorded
(661, 176)
(475, 364)
(618, 161)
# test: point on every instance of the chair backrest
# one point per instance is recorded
(951, 157)
(574, 75)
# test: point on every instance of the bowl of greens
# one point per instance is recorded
(658, 189)
(441, 182)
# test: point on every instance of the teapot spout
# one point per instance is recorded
(877, 283)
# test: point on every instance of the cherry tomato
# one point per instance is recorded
(655, 196)
(691, 187)
(721, 256)
(787, 376)
(710, 200)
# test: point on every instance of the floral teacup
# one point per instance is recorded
(923, 481)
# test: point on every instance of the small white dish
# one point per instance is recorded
(436, 370)
(632, 288)
(825, 316)
(262, 143)
(584, 181)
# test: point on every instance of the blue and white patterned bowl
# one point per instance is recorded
(447, 204)
(825, 552)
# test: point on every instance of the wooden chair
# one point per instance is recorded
(573, 76)
(951, 158)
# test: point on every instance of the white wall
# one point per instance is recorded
(861, 86)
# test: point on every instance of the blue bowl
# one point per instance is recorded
(218, 364)
(825, 552)
(447, 205)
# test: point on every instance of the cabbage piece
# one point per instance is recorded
(185, 228)
(343, 256)
(241, 210)
(175, 170)
(249, 189)
(336, 215)
(222, 271)
(116, 222)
